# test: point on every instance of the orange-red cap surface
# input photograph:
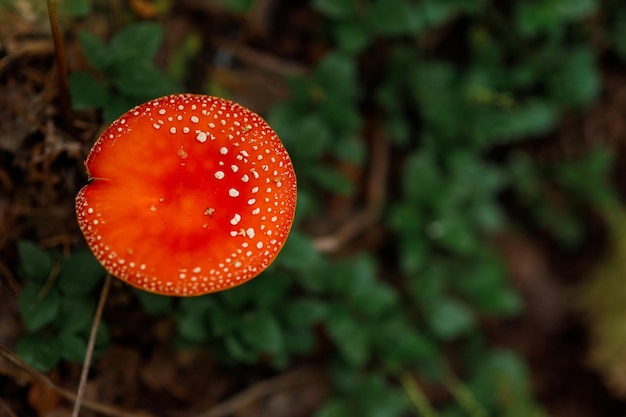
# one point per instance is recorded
(189, 194)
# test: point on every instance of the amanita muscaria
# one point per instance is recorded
(189, 194)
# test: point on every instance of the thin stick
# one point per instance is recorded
(7, 410)
(463, 395)
(416, 395)
(90, 346)
(31, 375)
(376, 194)
(59, 54)
(262, 389)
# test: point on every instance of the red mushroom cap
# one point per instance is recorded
(189, 195)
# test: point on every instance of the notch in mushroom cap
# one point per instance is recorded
(189, 194)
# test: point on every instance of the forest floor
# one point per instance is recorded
(41, 168)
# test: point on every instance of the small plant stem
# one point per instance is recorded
(464, 397)
(90, 346)
(417, 395)
(59, 54)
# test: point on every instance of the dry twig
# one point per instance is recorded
(250, 395)
(6, 410)
(10, 278)
(262, 389)
(376, 190)
(90, 346)
(24, 48)
(33, 376)
(62, 71)
(259, 59)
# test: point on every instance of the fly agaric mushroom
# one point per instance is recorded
(189, 194)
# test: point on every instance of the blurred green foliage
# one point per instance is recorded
(459, 84)
(57, 305)
(124, 73)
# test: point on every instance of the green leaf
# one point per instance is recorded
(41, 353)
(262, 330)
(398, 129)
(375, 299)
(305, 312)
(399, 344)
(314, 136)
(336, 75)
(271, 289)
(546, 16)
(350, 149)
(35, 262)
(414, 253)
(336, 407)
(80, 273)
(298, 254)
(117, 105)
(300, 340)
(306, 205)
(86, 91)
(237, 297)
(345, 378)
(155, 304)
(76, 315)
(430, 281)
(396, 17)
(96, 52)
(450, 318)
(350, 337)
(38, 308)
(353, 37)
(142, 80)
(587, 178)
(438, 12)
(330, 179)
(136, 43)
(377, 398)
(180, 61)
(284, 117)
(576, 82)
(501, 380)
(72, 347)
(422, 179)
(532, 118)
(407, 220)
(193, 326)
(223, 322)
(455, 231)
(336, 9)
(239, 6)
(350, 276)
(77, 8)
(341, 114)
(485, 284)
(238, 350)
(525, 120)
(103, 340)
